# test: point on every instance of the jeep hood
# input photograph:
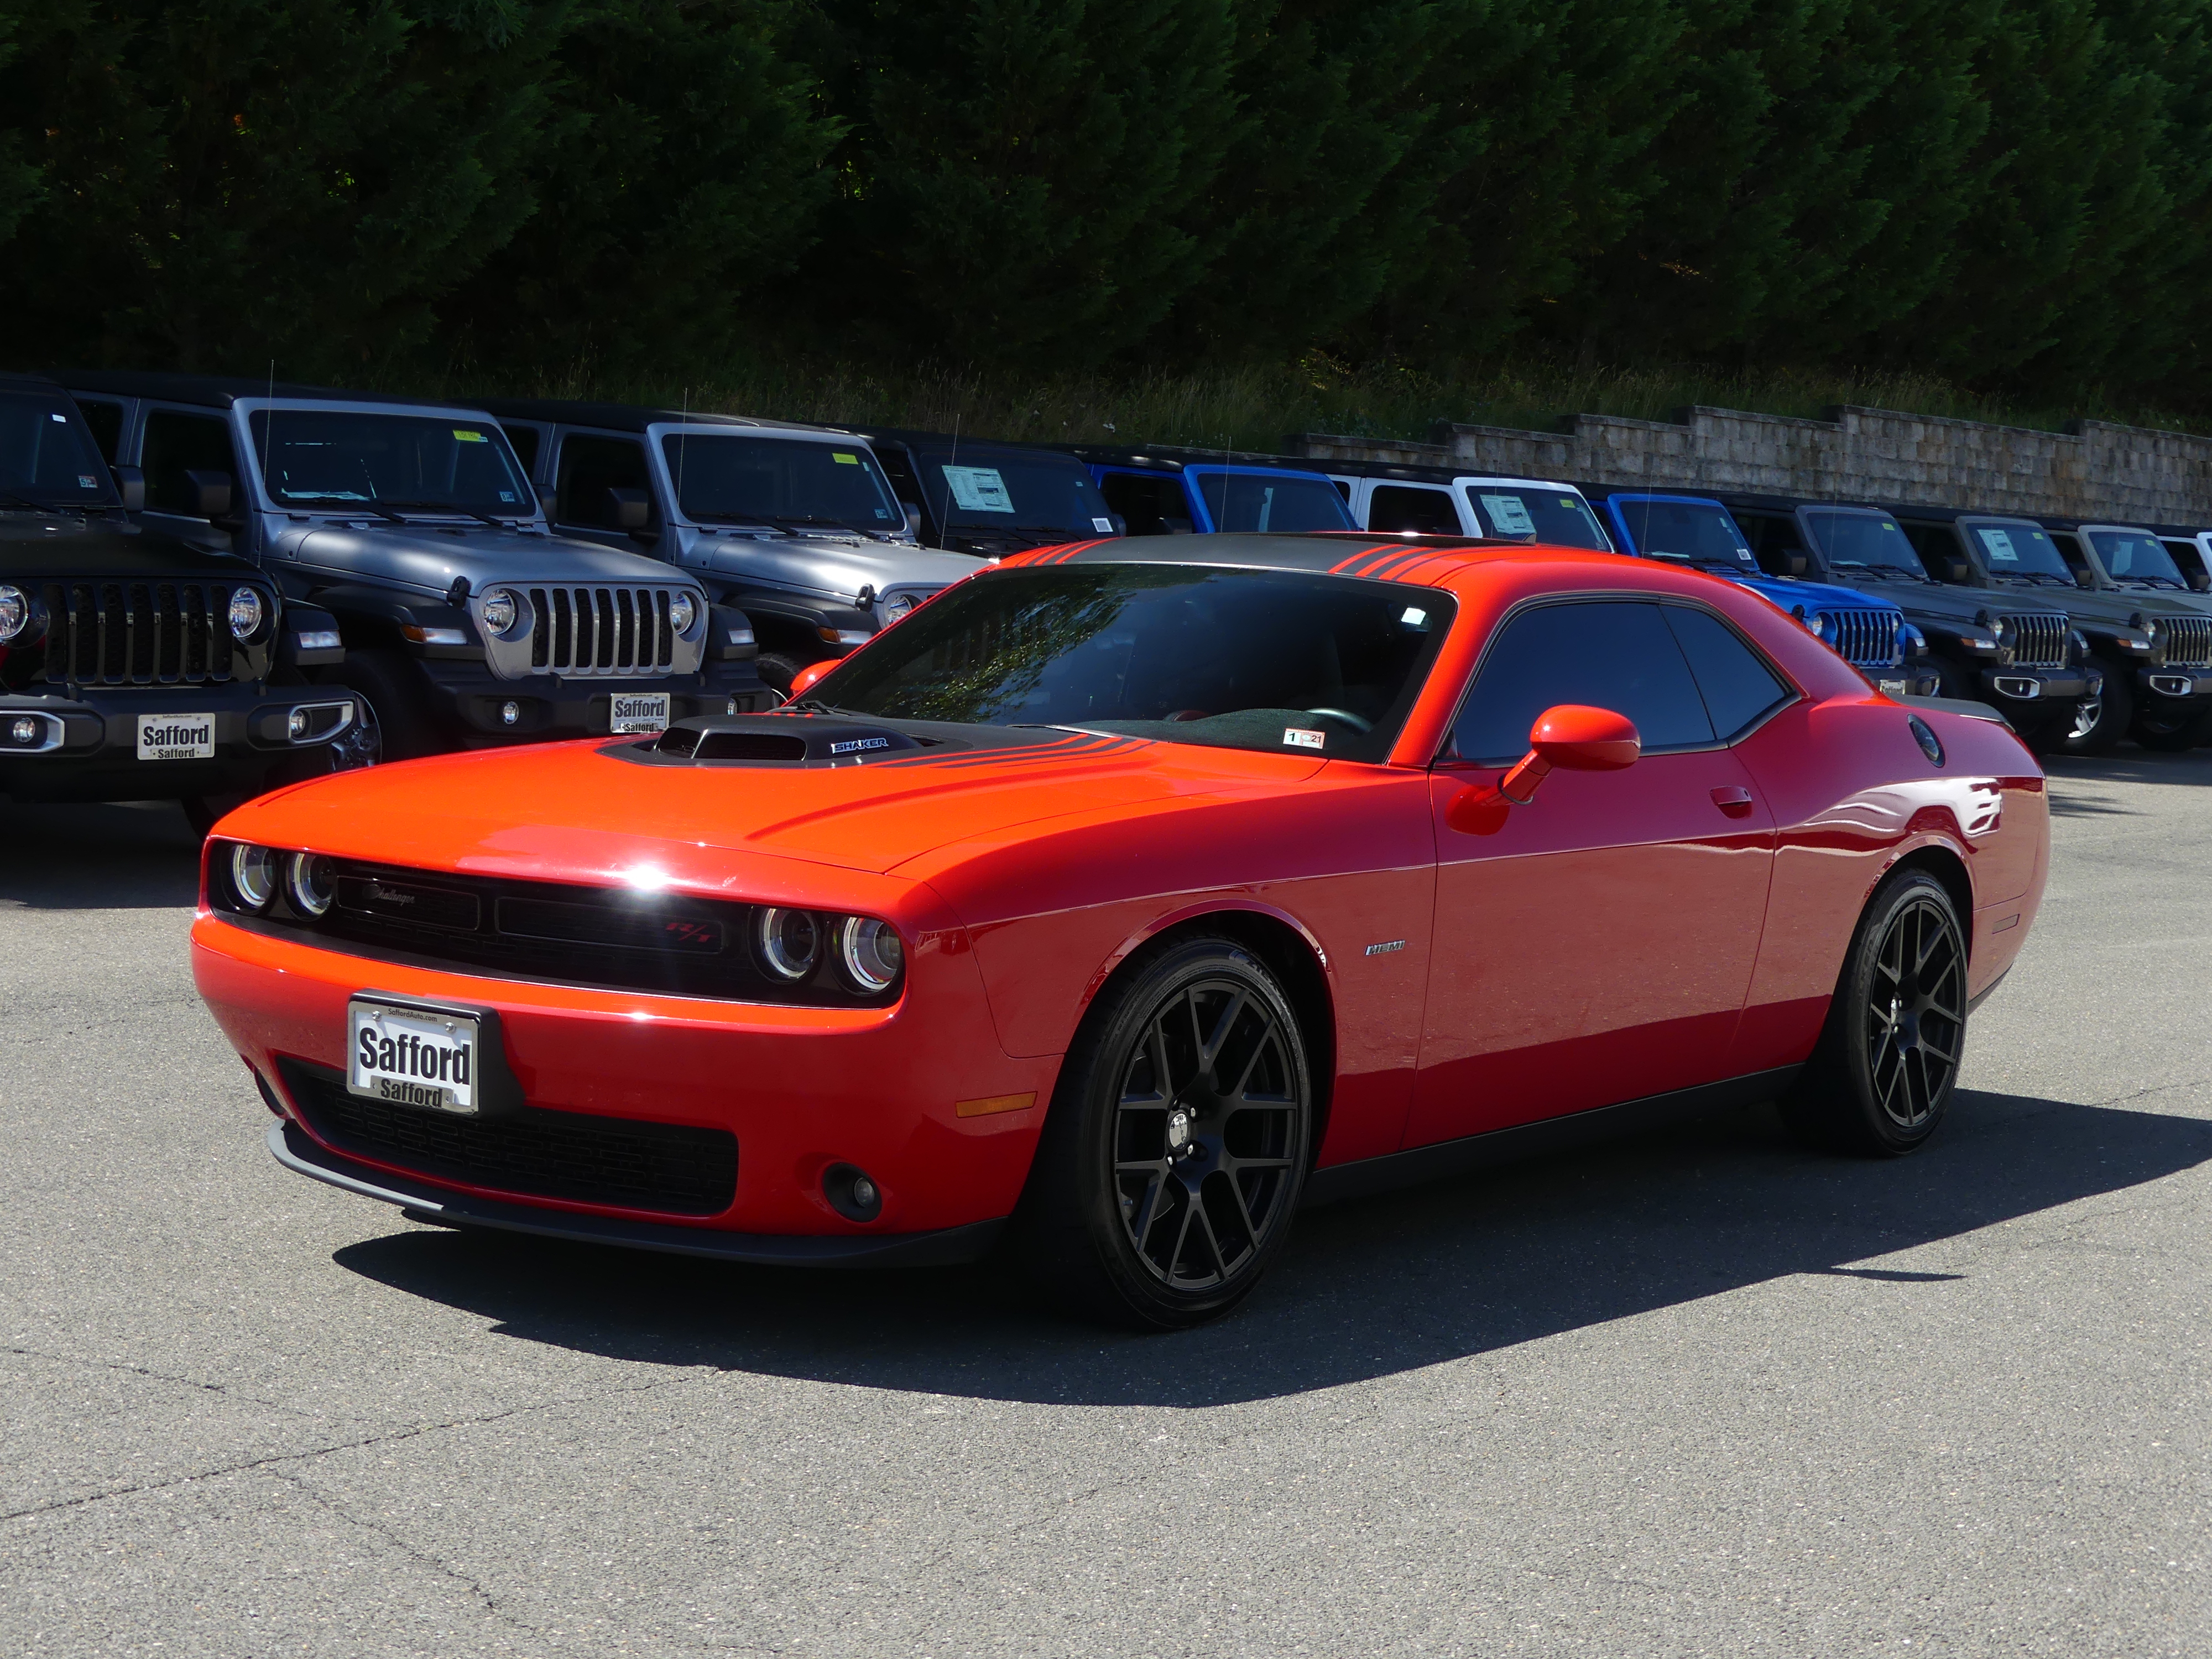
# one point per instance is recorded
(835, 568)
(430, 556)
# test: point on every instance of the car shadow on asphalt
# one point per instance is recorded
(2128, 765)
(1366, 1290)
(126, 855)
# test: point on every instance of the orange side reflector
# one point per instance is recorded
(996, 1104)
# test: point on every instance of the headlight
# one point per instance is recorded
(503, 612)
(2001, 631)
(15, 613)
(253, 876)
(869, 953)
(2155, 631)
(683, 612)
(897, 606)
(308, 884)
(247, 613)
(789, 942)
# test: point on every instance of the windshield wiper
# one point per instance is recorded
(833, 524)
(456, 510)
(738, 518)
(34, 505)
(815, 706)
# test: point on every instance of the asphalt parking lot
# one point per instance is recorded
(1701, 1393)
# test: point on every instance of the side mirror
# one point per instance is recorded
(1957, 570)
(1120, 524)
(803, 681)
(912, 519)
(629, 509)
(1571, 737)
(210, 493)
(131, 484)
(1795, 562)
(2083, 579)
(548, 503)
(2200, 583)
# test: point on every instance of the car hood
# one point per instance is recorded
(2089, 605)
(836, 568)
(430, 556)
(1810, 596)
(580, 811)
(1951, 603)
(60, 546)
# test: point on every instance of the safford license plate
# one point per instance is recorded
(413, 1056)
(637, 711)
(1892, 688)
(176, 737)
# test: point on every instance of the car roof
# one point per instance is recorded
(1428, 561)
(1173, 458)
(920, 438)
(1606, 492)
(16, 380)
(623, 417)
(222, 390)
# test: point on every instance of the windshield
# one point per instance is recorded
(2136, 555)
(729, 479)
(2014, 547)
(1553, 517)
(1282, 661)
(995, 489)
(1864, 540)
(1271, 500)
(336, 458)
(1697, 532)
(47, 458)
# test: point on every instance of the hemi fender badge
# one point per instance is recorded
(851, 744)
(1386, 947)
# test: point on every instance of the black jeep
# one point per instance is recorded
(984, 496)
(134, 666)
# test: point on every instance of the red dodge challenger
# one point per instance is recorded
(1123, 898)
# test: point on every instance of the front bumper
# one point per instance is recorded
(1913, 679)
(2027, 690)
(87, 748)
(476, 701)
(2174, 689)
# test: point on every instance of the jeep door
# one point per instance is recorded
(599, 481)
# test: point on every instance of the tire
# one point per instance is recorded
(778, 669)
(385, 683)
(2170, 735)
(1881, 1077)
(361, 744)
(2115, 713)
(1159, 1202)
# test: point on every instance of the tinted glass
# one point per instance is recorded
(1553, 517)
(1152, 502)
(1397, 507)
(1010, 490)
(2014, 547)
(104, 416)
(1736, 684)
(1863, 541)
(791, 482)
(331, 459)
(46, 454)
(524, 440)
(2136, 556)
(1695, 532)
(1609, 654)
(177, 443)
(1275, 660)
(591, 470)
(1278, 501)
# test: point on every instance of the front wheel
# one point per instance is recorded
(1881, 1077)
(2099, 723)
(1177, 1145)
(2171, 733)
(778, 669)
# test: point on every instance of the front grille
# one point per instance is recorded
(138, 633)
(671, 1168)
(2188, 641)
(2037, 640)
(1867, 638)
(601, 630)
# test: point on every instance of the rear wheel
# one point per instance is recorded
(1176, 1149)
(2101, 722)
(1882, 1075)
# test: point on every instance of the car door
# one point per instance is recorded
(1598, 945)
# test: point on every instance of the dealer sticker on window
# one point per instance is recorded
(176, 737)
(413, 1056)
(1298, 737)
(979, 488)
(637, 711)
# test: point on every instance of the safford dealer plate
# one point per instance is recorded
(413, 1056)
(637, 711)
(176, 737)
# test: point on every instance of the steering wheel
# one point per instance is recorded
(1346, 716)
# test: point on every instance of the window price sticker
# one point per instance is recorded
(979, 488)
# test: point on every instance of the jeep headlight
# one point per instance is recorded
(895, 606)
(2155, 638)
(1825, 629)
(247, 613)
(683, 612)
(504, 611)
(15, 613)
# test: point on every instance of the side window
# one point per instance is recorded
(177, 443)
(105, 417)
(1396, 507)
(1152, 502)
(524, 440)
(1771, 535)
(1609, 654)
(1737, 684)
(590, 468)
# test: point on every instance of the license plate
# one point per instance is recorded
(638, 711)
(176, 737)
(1893, 688)
(412, 1056)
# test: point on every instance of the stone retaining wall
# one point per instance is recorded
(2093, 469)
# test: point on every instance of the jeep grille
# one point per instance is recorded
(138, 633)
(601, 630)
(2188, 641)
(1867, 638)
(2038, 641)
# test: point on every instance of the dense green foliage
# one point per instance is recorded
(2009, 196)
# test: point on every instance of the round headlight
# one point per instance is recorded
(683, 612)
(247, 613)
(308, 884)
(15, 613)
(1825, 627)
(790, 942)
(870, 951)
(253, 876)
(897, 605)
(502, 609)
(2000, 629)
(2155, 631)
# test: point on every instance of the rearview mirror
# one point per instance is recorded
(211, 494)
(1572, 736)
(629, 509)
(131, 484)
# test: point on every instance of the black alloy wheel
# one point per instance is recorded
(2169, 731)
(2114, 713)
(387, 685)
(1176, 1146)
(361, 744)
(1887, 1061)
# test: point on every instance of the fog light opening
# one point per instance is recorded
(510, 713)
(852, 1193)
(296, 727)
(25, 730)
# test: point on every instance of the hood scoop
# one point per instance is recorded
(774, 740)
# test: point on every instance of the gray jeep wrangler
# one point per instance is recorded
(796, 527)
(467, 622)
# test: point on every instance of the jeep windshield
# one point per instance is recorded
(1279, 661)
(2136, 555)
(794, 484)
(2019, 549)
(47, 457)
(1685, 532)
(1006, 490)
(342, 460)
(1864, 544)
(1556, 518)
(1278, 501)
